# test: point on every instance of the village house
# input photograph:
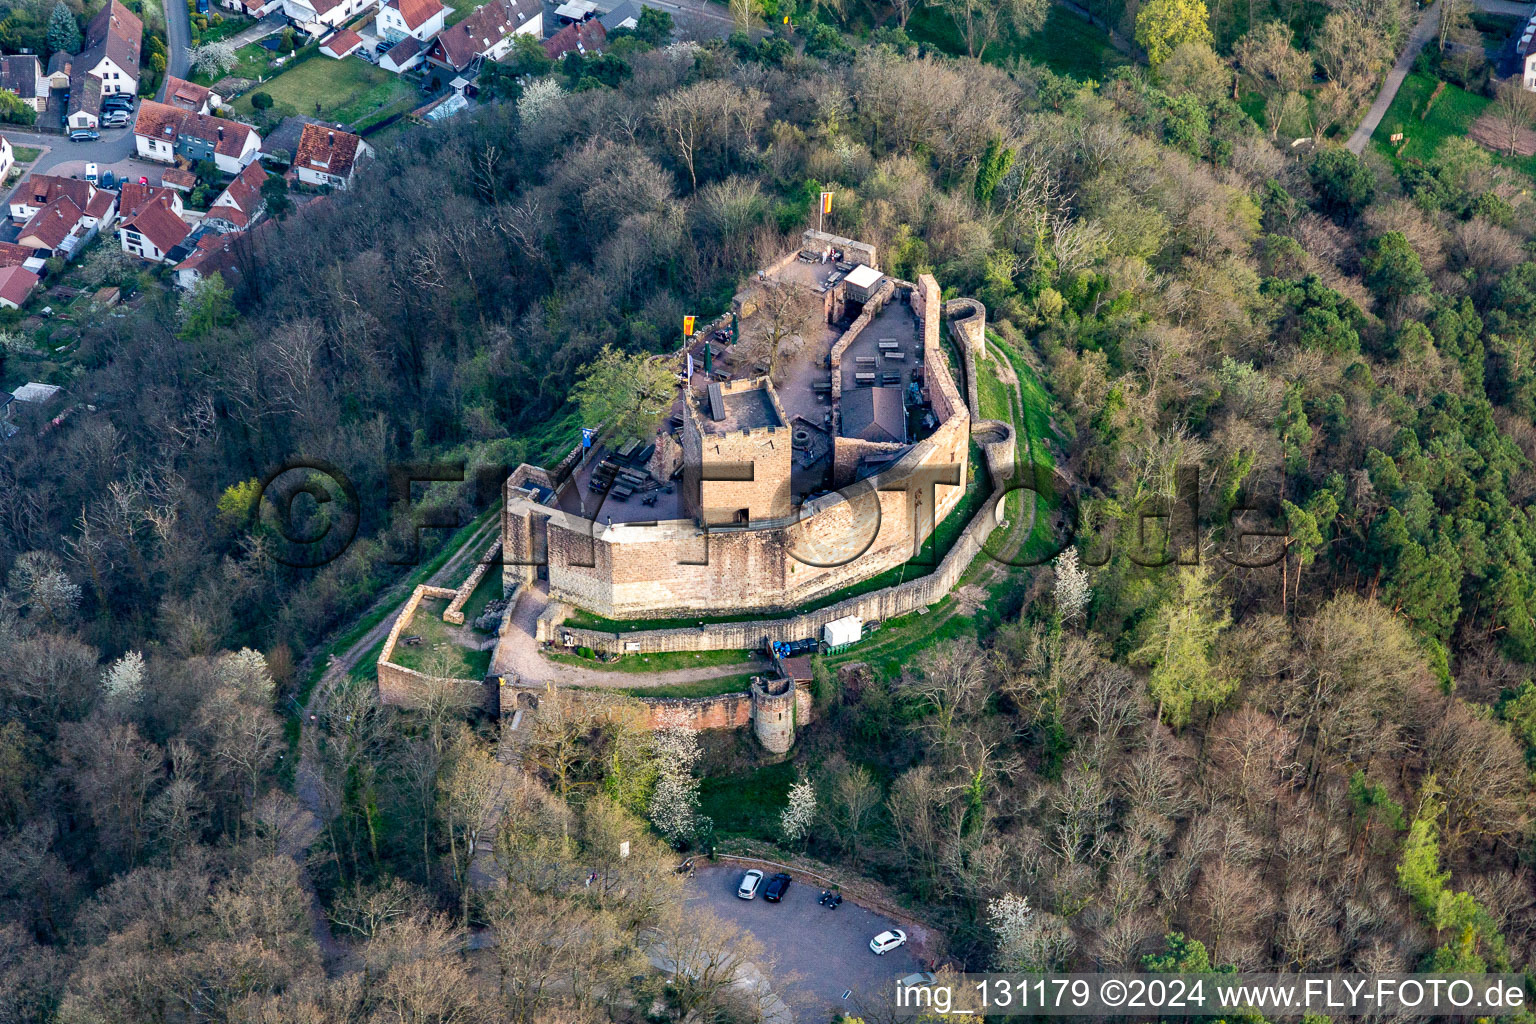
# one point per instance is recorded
(57, 230)
(84, 109)
(98, 205)
(163, 132)
(111, 51)
(342, 44)
(581, 36)
(403, 56)
(16, 284)
(487, 33)
(198, 99)
(22, 76)
(151, 225)
(241, 203)
(328, 157)
(413, 19)
(317, 17)
(252, 8)
(212, 254)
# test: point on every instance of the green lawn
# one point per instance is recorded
(436, 641)
(1066, 44)
(748, 805)
(899, 639)
(1450, 117)
(664, 662)
(458, 13)
(26, 154)
(352, 92)
(486, 591)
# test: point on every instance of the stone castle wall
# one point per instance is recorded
(888, 603)
(454, 613)
(722, 711)
(398, 684)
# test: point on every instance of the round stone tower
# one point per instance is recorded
(773, 713)
(968, 324)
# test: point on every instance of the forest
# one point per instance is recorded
(1126, 762)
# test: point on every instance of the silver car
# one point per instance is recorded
(749, 882)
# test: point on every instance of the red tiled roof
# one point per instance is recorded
(164, 122)
(135, 197)
(53, 223)
(115, 33)
(459, 44)
(13, 255)
(327, 150)
(244, 195)
(188, 95)
(16, 283)
(42, 189)
(214, 254)
(589, 36)
(156, 222)
(415, 13)
(175, 176)
(342, 43)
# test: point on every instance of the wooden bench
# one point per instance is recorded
(864, 378)
(890, 378)
(864, 360)
(895, 357)
(886, 344)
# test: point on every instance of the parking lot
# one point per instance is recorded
(814, 954)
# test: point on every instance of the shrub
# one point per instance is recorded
(261, 101)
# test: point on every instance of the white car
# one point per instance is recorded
(886, 941)
(749, 882)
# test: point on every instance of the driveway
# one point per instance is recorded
(814, 954)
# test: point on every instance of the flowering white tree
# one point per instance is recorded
(1072, 590)
(537, 100)
(246, 670)
(674, 807)
(1026, 939)
(216, 58)
(800, 812)
(38, 579)
(124, 678)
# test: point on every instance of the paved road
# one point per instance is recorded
(518, 652)
(178, 36)
(1423, 32)
(815, 954)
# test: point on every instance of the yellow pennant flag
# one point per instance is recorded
(826, 202)
(688, 326)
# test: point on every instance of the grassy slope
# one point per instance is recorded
(1450, 117)
(1066, 44)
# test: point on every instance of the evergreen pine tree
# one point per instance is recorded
(63, 32)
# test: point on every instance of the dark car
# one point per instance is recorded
(777, 886)
(84, 135)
